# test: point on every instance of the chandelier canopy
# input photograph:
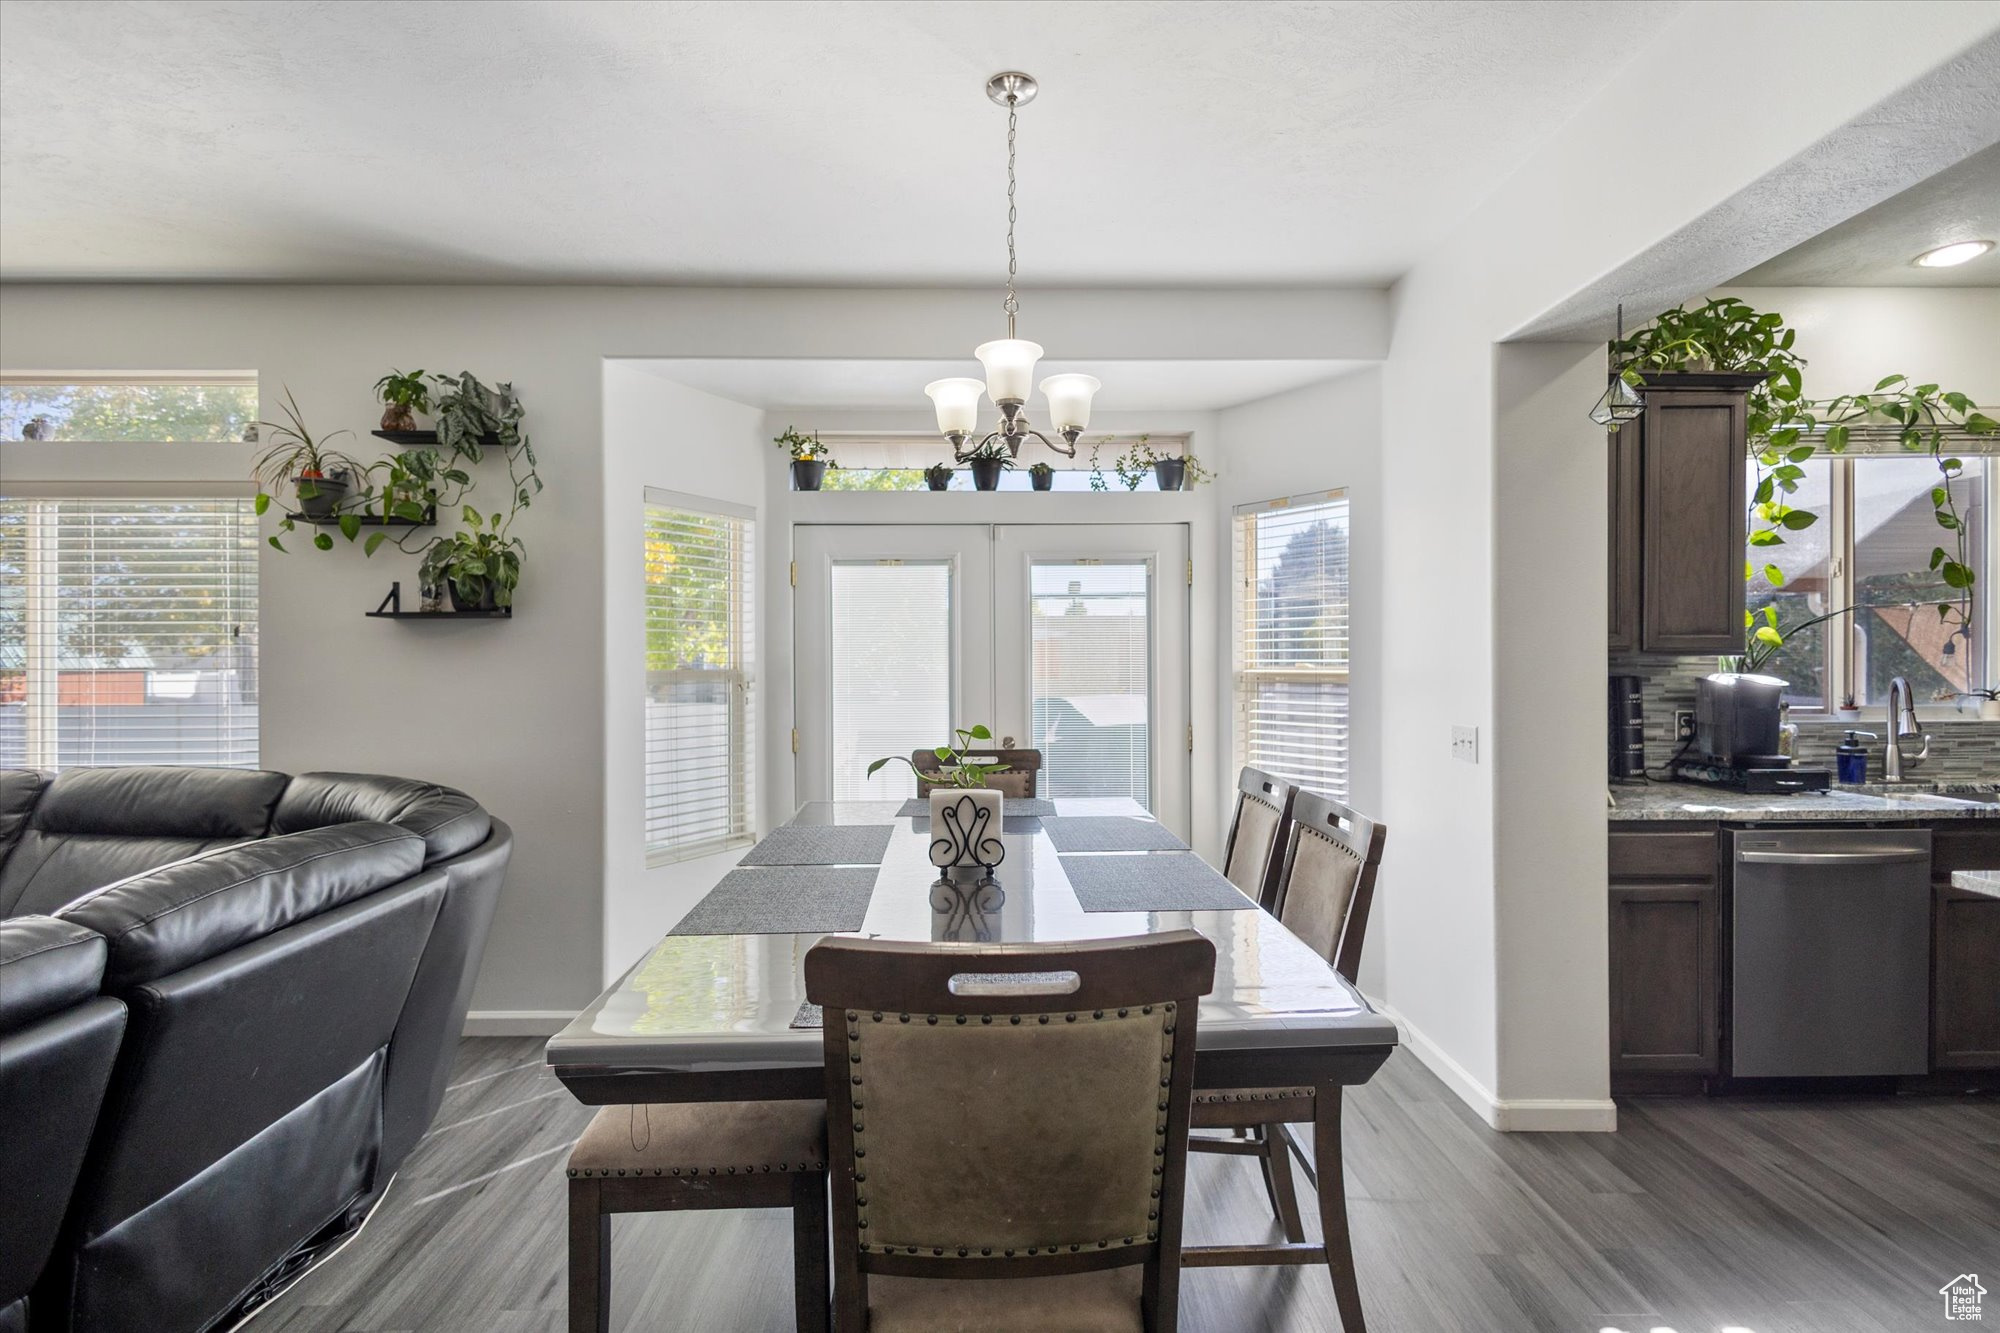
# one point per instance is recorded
(1009, 362)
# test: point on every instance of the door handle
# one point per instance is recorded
(1883, 858)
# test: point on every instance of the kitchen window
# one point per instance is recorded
(1291, 632)
(1871, 551)
(700, 682)
(128, 631)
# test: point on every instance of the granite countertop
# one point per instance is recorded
(1977, 881)
(1916, 801)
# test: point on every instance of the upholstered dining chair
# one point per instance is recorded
(1007, 1129)
(1323, 895)
(1019, 781)
(663, 1158)
(1258, 832)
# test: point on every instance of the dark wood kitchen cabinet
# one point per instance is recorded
(1676, 525)
(1965, 953)
(1665, 976)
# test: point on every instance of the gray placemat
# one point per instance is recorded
(809, 1017)
(1010, 806)
(821, 845)
(1110, 833)
(783, 900)
(1156, 882)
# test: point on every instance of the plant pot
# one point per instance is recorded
(965, 827)
(1171, 473)
(319, 497)
(1041, 481)
(938, 482)
(460, 602)
(397, 416)
(807, 473)
(986, 473)
(1989, 710)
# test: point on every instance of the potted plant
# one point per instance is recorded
(938, 476)
(471, 416)
(965, 813)
(988, 461)
(403, 396)
(478, 566)
(1989, 703)
(1041, 476)
(1172, 472)
(809, 458)
(319, 476)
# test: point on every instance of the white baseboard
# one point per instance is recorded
(516, 1022)
(1581, 1115)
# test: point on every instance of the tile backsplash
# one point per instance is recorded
(1960, 750)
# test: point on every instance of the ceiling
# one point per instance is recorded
(1875, 246)
(1154, 386)
(779, 143)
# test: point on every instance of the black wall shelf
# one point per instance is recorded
(392, 609)
(427, 439)
(368, 520)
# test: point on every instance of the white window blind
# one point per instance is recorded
(1092, 677)
(700, 728)
(889, 690)
(1291, 640)
(128, 632)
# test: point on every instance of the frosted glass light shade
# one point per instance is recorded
(1010, 367)
(957, 403)
(1069, 399)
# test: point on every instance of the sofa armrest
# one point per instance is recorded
(180, 914)
(46, 966)
(449, 821)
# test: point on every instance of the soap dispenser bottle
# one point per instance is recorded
(1850, 759)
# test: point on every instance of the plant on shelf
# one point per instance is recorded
(1041, 476)
(938, 476)
(988, 460)
(810, 459)
(955, 769)
(1171, 472)
(403, 396)
(297, 459)
(479, 565)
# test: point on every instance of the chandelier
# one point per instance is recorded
(1010, 361)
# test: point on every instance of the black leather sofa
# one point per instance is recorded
(228, 1005)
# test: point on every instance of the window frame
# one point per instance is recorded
(1243, 547)
(740, 678)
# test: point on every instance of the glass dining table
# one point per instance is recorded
(717, 1011)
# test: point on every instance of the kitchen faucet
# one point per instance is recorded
(1902, 722)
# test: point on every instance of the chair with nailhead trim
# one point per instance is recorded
(1007, 1130)
(1017, 781)
(1323, 894)
(1255, 851)
(663, 1158)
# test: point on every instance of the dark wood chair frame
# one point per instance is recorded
(1253, 784)
(1017, 761)
(593, 1201)
(1267, 1121)
(1175, 968)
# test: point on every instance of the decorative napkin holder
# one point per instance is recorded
(965, 827)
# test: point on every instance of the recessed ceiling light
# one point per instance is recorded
(1950, 256)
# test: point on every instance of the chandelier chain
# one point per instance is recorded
(1012, 304)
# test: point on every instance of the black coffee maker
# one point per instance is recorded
(1737, 720)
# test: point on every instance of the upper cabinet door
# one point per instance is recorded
(1692, 477)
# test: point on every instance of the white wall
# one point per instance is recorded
(1853, 336)
(1321, 437)
(517, 712)
(1470, 486)
(661, 434)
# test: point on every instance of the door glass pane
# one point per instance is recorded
(891, 672)
(1897, 628)
(1092, 685)
(1803, 586)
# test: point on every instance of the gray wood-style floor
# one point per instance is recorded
(1775, 1216)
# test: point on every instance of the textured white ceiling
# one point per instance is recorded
(1157, 386)
(1875, 246)
(1201, 143)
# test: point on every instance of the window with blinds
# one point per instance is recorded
(700, 728)
(1291, 640)
(1092, 677)
(128, 632)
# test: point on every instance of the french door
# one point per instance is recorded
(1069, 638)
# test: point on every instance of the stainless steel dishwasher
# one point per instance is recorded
(1830, 969)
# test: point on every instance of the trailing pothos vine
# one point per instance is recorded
(1785, 430)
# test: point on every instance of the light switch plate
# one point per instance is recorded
(1465, 744)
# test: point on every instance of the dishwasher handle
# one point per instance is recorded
(1887, 857)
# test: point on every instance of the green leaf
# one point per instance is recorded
(1800, 454)
(1937, 556)
(1955, 575)
(1775, 575)
(1938, 496)
(263, 502)
(876, 767)
(276, 544)
(1765, 634)
(943, 752)
(1763, 495)
(1945, 520)
(375, 539)
(980, 733)
(1886, 382)
(1796, 519)
(1981, 424)
(1836, 438)
(323, 541)
(1766, 538)
(1771, 614)
(350, 526)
